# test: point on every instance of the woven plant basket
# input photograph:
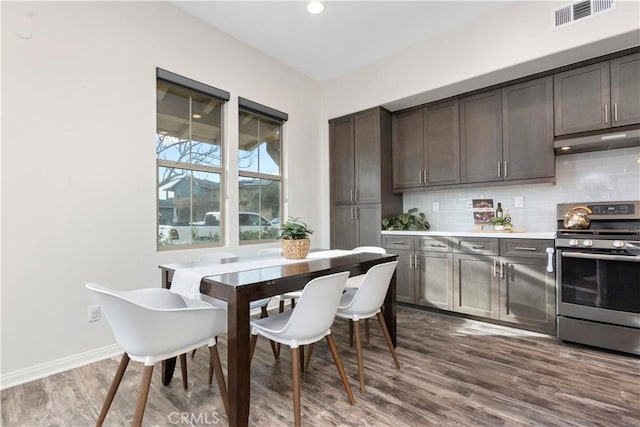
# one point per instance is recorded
(295, 249)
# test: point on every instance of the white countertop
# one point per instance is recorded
(485, 233)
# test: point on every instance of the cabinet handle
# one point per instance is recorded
(416, 263)
(437, 246)
(501, 270)
(506, 171)
(426, 176)
(523, 248)
(355, 195)
(351, 195)
(499, 169)
(477, 246)
(495, 267)
(397, 243)
(606, 113)
(615, 112)
(355, 213)
(420, 176)
(410, 261)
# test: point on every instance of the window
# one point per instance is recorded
(260, 171)
(189, 154)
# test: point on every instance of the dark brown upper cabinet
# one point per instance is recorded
(598, 96)
(481, 137)
(625, 90)
(426, 147)
(527, 130)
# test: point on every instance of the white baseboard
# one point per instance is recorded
(22, 376)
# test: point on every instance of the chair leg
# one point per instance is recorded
(387, 338)
(350, 333)
(293, 303)
(356, 332)
(308, 358)
(281, 306)
(145, 384)
(338, 362)
(295, 375)
(215, 365)
(301, 352)
(113, 389)
(183, 367)
(366, 330)
(193, 352)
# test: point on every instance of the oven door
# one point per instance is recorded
(599, 286)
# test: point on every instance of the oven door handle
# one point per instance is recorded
(630, 258)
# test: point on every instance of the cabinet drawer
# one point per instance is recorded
(398, 242)
(434, 244)
(476, 245)
(525, 247)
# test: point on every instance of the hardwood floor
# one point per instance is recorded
(455, 372)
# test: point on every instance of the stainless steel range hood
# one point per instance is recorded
(609, 141)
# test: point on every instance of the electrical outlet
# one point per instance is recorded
(469, 205)
(519, 202)
(93, 313)
(436, 207)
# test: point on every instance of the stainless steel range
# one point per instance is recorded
(598, 273)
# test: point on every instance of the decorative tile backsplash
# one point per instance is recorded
(599, 176)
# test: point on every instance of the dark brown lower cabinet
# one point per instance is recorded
(528, 293)
(501, 279)
(476, 286)
(355, 225)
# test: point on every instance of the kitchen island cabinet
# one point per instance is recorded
(502, 279)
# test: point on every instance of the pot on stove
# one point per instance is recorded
(577, 218)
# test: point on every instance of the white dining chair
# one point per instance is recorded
(364, 303)
(155, 324)
(262, 303)
(307, 323)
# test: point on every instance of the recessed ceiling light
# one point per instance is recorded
(315, 7)
(196, 116)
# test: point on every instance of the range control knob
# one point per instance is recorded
(587, 243)
(618, 244)
(573, 242)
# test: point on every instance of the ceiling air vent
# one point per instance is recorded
(573, 12)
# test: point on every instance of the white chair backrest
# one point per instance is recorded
(370, 249)
(316, 309)
(216, 256)
(370, 295)
(156, 321)
(267, 252)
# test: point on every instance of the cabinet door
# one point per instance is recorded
(407, 149)
(481, 137)
(625, 90)
(368, 221)
(367, 156)
(341, 146)
(405, 276)
(528, 130)
(343, 227)
(434, 283)
(581, 98)
(475, 285)
(527, 293)
(441, 125)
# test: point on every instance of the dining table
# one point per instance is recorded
(249, 281)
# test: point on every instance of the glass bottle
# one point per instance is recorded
(499, 213)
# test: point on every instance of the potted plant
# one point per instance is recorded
(501, 224)
(295, 238)
(411, 220)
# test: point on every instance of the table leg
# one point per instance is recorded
(389, 309)
(238, 361)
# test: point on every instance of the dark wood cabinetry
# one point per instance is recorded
(598, 96)
(501, 279)
(360, 171)
(426, 146)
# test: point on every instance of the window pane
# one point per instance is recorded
(259, 208)
(188, 126)
(259, 144)
(189, 207)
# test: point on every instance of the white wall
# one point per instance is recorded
(78, 159)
